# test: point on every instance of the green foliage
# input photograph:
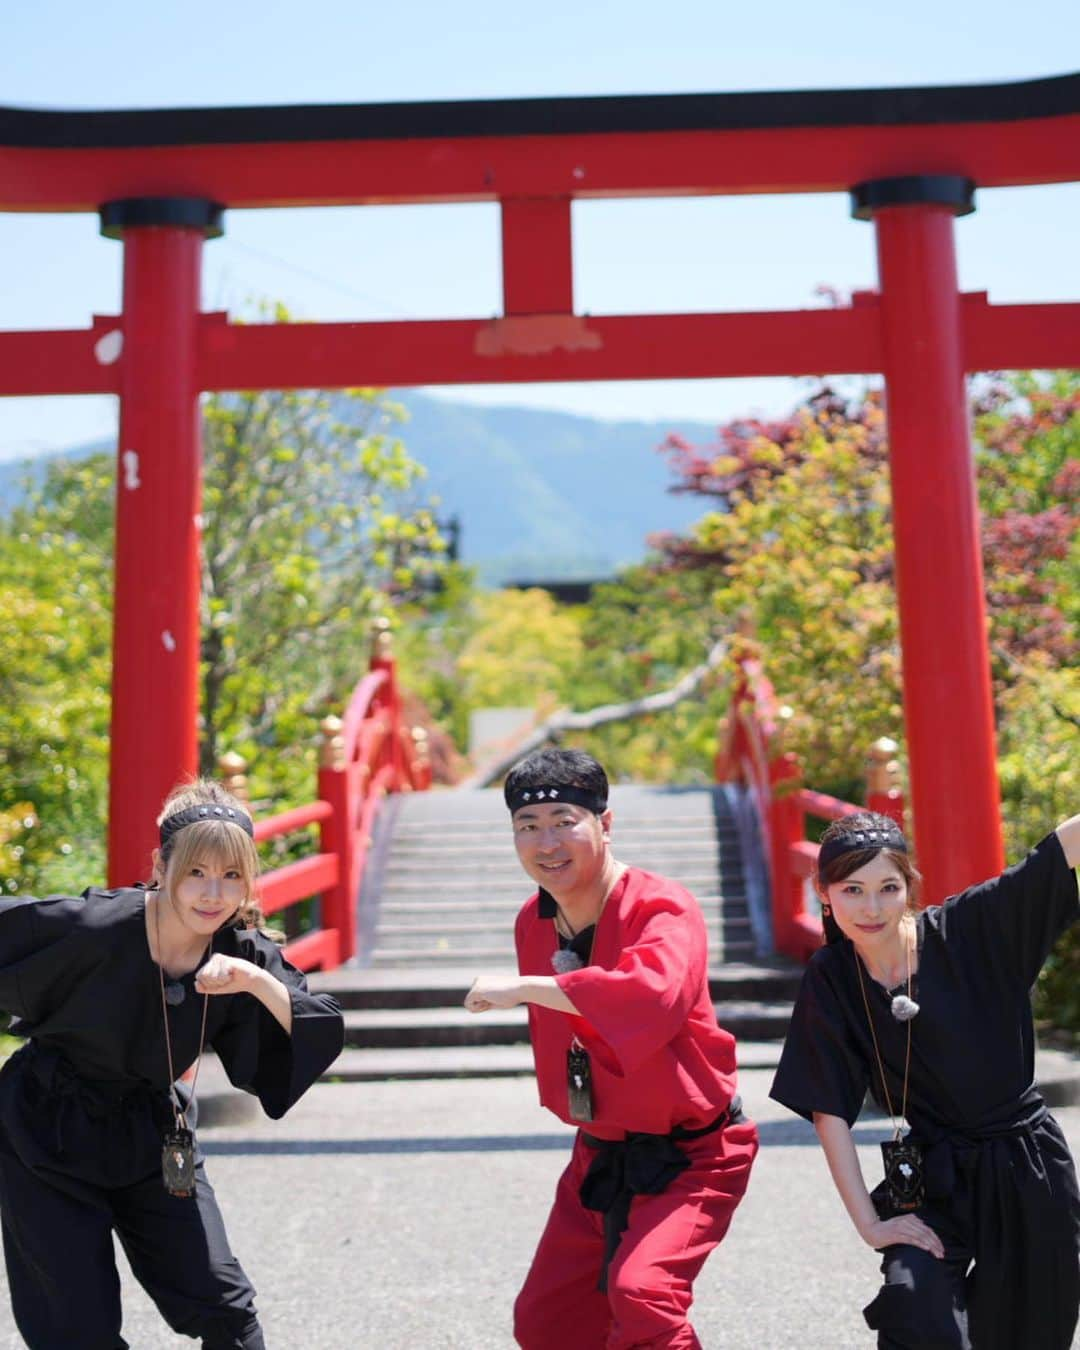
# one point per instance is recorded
(523, 651)
(475, 649)
(1029, 476)
(1040, 785)
(804, 548)
(1028, 459)
(515, 648)
(309, 530)
(801, 542)
(311, 526)
(428, 643)
(55, 578)
(642, 633)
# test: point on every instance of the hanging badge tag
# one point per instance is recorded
(579, 1084)
(904, 1175)
(178, 1163)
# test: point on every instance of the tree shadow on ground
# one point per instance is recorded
(774, 1133)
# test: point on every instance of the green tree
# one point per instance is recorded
(643, 632)
(55, 578)
(802, 541)
(431, 635)
(523, 651)
(311, 525)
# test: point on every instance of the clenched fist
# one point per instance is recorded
(226, 975)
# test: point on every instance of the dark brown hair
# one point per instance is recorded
(841, 867)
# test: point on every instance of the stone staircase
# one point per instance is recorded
(447, 885)
(441, 893)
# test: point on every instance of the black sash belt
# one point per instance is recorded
(947, 1149)
(97, 1099)
(640, 1164)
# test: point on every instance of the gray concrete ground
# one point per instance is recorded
(402, 1216)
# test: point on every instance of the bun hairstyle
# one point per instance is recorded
(215, 836)
(851, 843)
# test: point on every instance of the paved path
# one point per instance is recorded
(402, 1216)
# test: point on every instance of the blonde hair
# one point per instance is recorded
(214, 838)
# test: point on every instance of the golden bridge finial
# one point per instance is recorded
(882, 766)
(232, 770)
(332, 746)
(382, 639)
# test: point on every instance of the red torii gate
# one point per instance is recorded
(911, 159)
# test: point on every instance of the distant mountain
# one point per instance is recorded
(540, 495)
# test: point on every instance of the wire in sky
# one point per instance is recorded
(334, 285)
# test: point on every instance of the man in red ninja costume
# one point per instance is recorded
(613, 966)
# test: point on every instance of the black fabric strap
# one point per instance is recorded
(947, 1149)
(640, 1164)
(544, 795)
(229, 815)
(852, 841)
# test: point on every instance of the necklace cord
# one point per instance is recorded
(572, 934)
(877, 1051)
(620, 873)
(178, 1112)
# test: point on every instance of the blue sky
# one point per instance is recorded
(715, 254)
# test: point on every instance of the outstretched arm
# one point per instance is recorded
(507, 991)
(1068, 833)
(847, 1176)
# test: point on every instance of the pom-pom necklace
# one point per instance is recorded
(904, 1008)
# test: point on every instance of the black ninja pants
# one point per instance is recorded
(931, 1304)
(65, 1290)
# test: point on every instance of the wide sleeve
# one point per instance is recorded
(642, 1003)
(17, 947)
(1016, 918)
(35, 958)
(820, 1068)
(258, 1054)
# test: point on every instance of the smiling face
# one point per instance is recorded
(869, 904)
(207, 875)
(208, 894)
(204, 892)
(563, 847)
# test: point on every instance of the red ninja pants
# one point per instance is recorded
(650, 1280)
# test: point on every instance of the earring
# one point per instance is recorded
(826, 911)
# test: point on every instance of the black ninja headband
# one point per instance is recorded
(191, 815)
(546, 796)
(851, 841)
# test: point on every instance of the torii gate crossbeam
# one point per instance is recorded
(911, 159)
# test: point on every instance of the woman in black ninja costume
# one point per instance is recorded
(118, 992)
(979, 1215)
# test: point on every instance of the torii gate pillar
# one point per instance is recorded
(948, 707)
(155, 689)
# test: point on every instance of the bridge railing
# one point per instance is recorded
(370, 752)
(750, 751)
